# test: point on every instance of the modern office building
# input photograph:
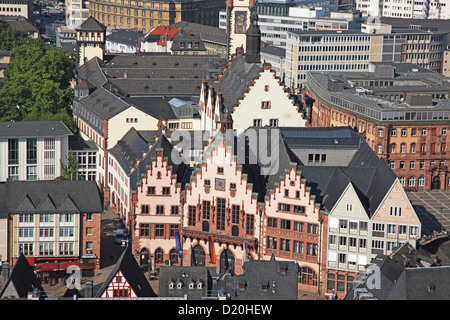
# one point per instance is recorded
(354, 50)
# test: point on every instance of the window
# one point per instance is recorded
(395, 211)
(191, 215)
(144, 209)
(150, 190)
(220, 214)
(235, 209)
(403, 132)
(285, 224)
(380, 132)
(257, 122)
(272, 222)
(144, 230)
(174, 210)
(220, 170)
(159, 230)
(13, 151)
(250, 223)
(206, 210)
(265, 105)
(166, 191)
(160, 209)
(31, 151)
(273, 122)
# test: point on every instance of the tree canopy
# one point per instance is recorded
(37, 85)
(10, 38)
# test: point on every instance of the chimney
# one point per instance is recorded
(5, 272)
(89, 289)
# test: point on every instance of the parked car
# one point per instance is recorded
(119, 236)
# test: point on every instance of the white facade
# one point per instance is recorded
(77, 11)
(266, 104)
(33, 158)
(354, 238)
(274, 28)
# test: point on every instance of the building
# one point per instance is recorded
(156, 198)
(178, 281)
(126, 280)
(401, 110)
(428, 9)
(123, 41)
(136, 91)
(249, 93)
(20, 282)
(33, 150)
(353, 51)
(76, 11)
(146, 15)
(274, 26)
(52, 221)
(90, 40)
(23, 8)
(214, 38)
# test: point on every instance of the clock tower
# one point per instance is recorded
(238, 21)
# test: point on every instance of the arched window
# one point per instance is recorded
(403, 148)
(226, 261)
(402, 181)
(173, 255)
(198, 256)
(413, 148)
(393, 147)
(379, 149)
(307, 276)
(411, 182)
(159, 255)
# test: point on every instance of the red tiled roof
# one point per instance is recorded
(165, 33)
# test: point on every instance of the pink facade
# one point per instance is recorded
(157, 212)
(220, 206)
(293, 227)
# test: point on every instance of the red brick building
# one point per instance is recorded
(401, 110)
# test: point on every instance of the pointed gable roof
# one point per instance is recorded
(133, 274)
(91, 24)
(46, 204)
(26, 205)
(68, 205)
(22, 280)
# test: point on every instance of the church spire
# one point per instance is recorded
(253, 45)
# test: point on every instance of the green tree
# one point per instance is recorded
(69, 171)
(37, 85)
(10, 38)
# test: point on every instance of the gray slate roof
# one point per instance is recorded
(127, 37)
(33, 129)
(133, 274)
(49, 197)
(22, 279)
(91, 24)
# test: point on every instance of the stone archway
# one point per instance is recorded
(144, 257)
(435, 183)
(198, 256)
(227, 261)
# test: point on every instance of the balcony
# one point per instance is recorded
(218, 237)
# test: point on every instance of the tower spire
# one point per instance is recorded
(253, 44)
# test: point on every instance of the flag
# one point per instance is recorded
(212, 253)
(244, 255)
(178, 244)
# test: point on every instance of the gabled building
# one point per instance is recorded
(51, 221)
(136, 91)
(126, 280)
(20, 282)
(249, 93)
(155, 204)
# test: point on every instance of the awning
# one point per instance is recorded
(56, 266)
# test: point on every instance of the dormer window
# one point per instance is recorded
(171, 285)
(199, 285)
(180, 285)
(191, 285)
